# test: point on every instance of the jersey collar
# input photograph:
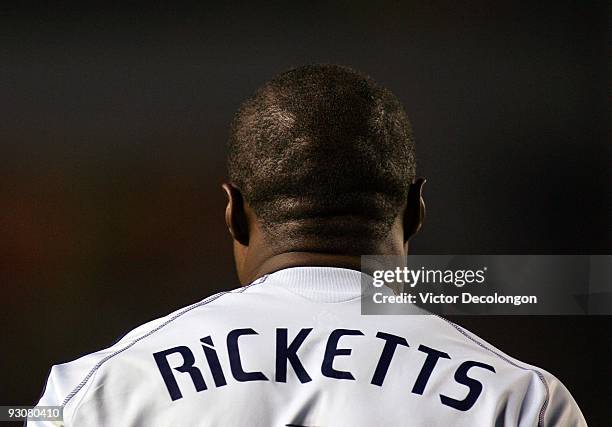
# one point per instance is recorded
(321, 284)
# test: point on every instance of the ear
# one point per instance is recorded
(235, 215)
(415, 209)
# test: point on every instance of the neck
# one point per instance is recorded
(259, 260)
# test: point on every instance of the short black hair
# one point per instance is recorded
(323, 154)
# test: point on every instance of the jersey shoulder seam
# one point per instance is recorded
(506, 359)
(140, 338)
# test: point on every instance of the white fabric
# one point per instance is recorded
(124, 386)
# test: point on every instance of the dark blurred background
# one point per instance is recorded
(113, 133)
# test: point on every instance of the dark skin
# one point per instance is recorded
(255, 257)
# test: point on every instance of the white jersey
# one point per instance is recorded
(292, 349)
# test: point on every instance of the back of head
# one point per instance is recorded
(325, 157)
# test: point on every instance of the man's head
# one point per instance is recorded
(323, 160)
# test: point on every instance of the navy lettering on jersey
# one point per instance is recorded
(391, 343)
(234, 357)
(475, 386)
(332, 350)
(288, 353)
(182, 360)
(430, 363)
(213, 361)
(161, 358)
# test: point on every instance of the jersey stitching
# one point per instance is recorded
(151, 332)
(256, 282)
(511, 362)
